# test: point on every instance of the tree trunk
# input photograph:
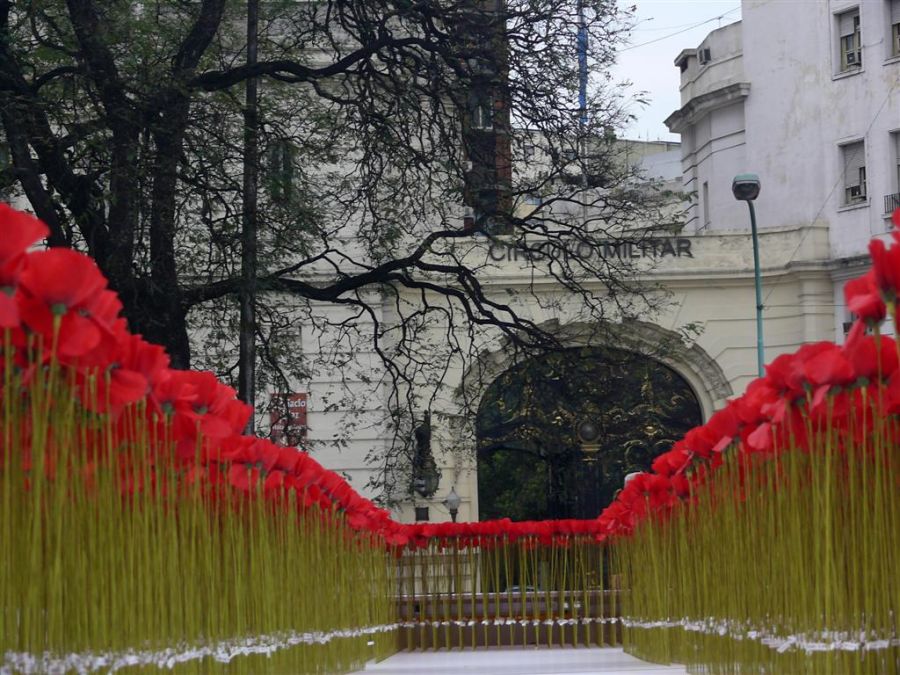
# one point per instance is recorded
(247, 347)
(158, 308)
(153, 314)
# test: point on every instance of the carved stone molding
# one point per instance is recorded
(702, 372)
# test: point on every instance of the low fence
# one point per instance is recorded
(489, 591)
(532, 619)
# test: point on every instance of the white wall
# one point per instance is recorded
(798, 109)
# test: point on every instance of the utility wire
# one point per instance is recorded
(679, 32)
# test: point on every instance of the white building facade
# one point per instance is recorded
(807, 96)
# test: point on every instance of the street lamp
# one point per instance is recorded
(589, 437)
(745, 188)
(452, 503)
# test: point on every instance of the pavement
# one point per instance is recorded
(519, 661)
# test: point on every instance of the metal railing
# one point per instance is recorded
(891, 202)
(494, 592)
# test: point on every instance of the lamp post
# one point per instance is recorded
(745, 187)
(452, 503)
(589, 432)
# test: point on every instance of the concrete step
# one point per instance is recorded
(519, 661)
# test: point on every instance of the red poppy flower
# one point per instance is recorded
(655, 489)
(748, 409)
(827, 365)
(308, 470)
(65, 285)
(396, 536)
(131, 368)
(311, 496)
(673, 462)
(760, 439)
(886, 265)
(18, 231)
(243, 477)
(863, 298)
(892, 394)
(212, 410)
(172, 391)
(866, 355)
(618, 519)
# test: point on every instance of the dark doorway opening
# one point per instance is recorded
(557, 435)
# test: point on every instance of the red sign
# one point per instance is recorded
(287, 415)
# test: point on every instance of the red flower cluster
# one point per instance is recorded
(820, 385)
(55, 307)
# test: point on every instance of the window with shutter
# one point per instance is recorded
(481, 110)
(895, 27)
(280, 170)
(892, 201)
(851, 47)
(896, 137)
(853, 162)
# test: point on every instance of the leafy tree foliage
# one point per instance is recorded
(378, 121)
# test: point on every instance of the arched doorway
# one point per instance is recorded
(557, 435)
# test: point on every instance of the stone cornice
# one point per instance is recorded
(679, 120)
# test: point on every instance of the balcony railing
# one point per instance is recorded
(891, 202)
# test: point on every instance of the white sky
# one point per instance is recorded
(662, 29)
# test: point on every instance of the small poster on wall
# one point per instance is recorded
(287, 416)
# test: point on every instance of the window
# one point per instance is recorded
(481, 112)
(895, 27)
(896, 138)
(853, 163)
(528, 151)
(280, 170)
(892, 201)
(706, 216)
(704, 56)
(851, 48)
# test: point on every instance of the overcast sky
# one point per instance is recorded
(663, 28)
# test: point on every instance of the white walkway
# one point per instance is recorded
(519, 661)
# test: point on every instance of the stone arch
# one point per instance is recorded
(556, 435)
(704, 375)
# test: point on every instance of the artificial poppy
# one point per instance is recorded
(886, 266)
(863, 298)
(19, 231)
(61, 285)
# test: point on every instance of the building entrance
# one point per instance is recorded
(557, 435)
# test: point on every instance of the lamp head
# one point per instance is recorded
(453, 500)
(588, 431)
(745, 187)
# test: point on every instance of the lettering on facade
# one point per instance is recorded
(653, 248)
(287, 415)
